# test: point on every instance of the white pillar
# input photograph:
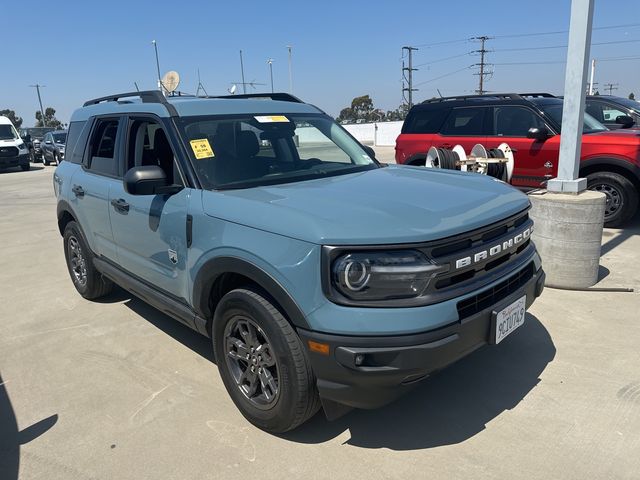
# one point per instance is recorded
(574, 99)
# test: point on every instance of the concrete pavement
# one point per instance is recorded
(115, 389)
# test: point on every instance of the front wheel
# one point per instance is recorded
(56, 159)
(88, 281)
(45, 162)
(25, 166)
(621, 196)
(262, 362)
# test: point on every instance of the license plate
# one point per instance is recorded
(510, 318)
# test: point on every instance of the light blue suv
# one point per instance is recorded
(323, 277)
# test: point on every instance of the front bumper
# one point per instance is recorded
(8, 162)
(392, 364)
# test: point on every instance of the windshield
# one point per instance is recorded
(589, 125)
(248, 151)
(7, 132)
(627, 102)
(59, 137)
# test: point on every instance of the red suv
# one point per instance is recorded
(530, 124)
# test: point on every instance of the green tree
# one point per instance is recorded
(50, 119)
(361, 109)
(632, 96)
(399, 113)
(11, 115)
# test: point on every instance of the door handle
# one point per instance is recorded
(78, 191)
(120, 205)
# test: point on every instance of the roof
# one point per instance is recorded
(185, 106)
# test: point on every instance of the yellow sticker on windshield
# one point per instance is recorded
(201, 148)
(271, 118)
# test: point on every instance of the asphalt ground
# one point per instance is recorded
(116, 390)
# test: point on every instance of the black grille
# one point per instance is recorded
(9, 152)
(490, 297)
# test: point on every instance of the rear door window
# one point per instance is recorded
(103, 159)
(464, 122)
(514, 121)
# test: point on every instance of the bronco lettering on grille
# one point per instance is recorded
(495, 250)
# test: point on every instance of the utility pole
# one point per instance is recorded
(611, 87)
(483, 73)
(37, 86)
(593, 71)
(409, 88)
(270, 62)
(289, 47)
(244, 85)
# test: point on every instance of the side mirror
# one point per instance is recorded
(148, 180)
(370, 151)
(625, 120)
(538, 133)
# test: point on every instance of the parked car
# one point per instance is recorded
(322, 276)
(53, 145)
(35, 136)
(13, 151)
(614, 112)
(530, 124)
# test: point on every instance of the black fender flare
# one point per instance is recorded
(214, 268)
(62, 208)
(619, 164)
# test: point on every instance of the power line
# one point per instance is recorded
(444, 59)
(551, 62)
(445, 75)
(615, 42)
(531, 34)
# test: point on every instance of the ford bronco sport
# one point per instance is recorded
(322, 276)
(530, 124)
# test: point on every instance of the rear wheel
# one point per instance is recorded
(88, 281)
(262, 362)
(621, 196)
(25, 166)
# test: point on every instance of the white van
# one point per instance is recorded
(13, 151)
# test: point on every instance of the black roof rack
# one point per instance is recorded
(538, 94)
(513, 96)
(147, 96)
(279, 96)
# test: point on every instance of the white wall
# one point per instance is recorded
(377, 134)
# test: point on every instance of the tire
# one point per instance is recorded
(622, 196)
(25, 167)
(56, 159)
(45, 162)
(246, 320)
(89, 283)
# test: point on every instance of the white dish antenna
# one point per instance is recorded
(170, 81)
(233, 89)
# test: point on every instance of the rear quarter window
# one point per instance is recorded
(425, 120)
(76, 140)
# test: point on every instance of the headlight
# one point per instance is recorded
(382, 275)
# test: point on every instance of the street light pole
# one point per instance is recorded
(244, 85)
(155, 46)
(289, 47)
(270, 62)
(37, 87)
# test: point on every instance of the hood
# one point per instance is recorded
(395, 204)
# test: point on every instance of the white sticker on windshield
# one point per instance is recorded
(271, 118)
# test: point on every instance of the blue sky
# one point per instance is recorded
(341, 49)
